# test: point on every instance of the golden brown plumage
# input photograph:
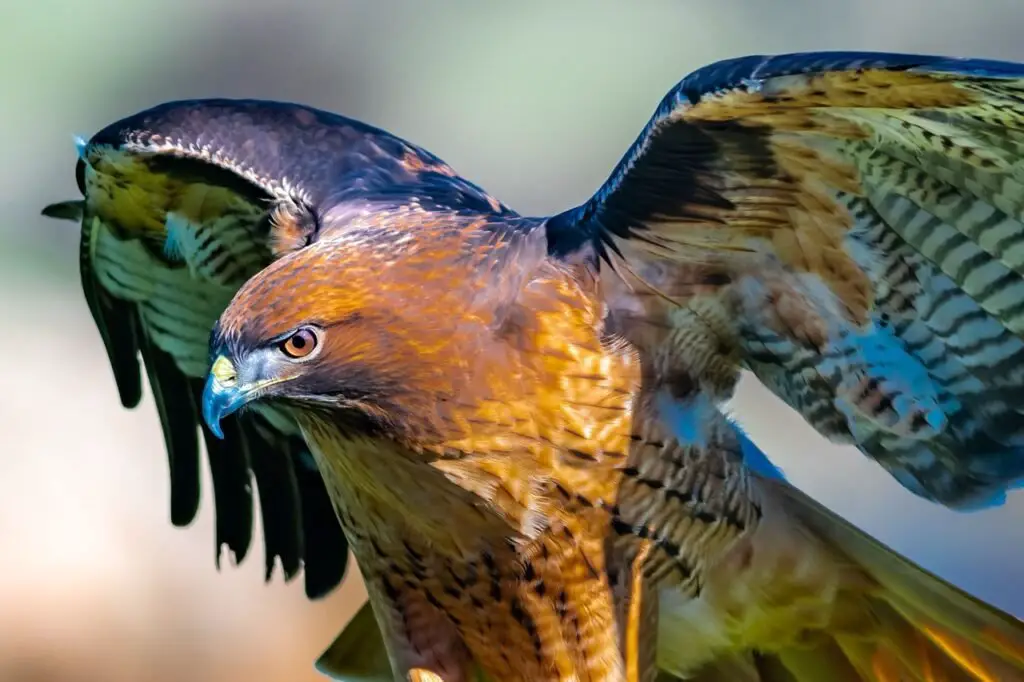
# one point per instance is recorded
(507, 477)
(846, 225)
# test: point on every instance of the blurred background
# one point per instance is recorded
(534, 100)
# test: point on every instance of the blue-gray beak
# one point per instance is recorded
(222, 395)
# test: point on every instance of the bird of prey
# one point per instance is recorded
(516, 495)
(845, 225)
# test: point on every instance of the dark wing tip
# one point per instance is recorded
(300, 526)
(65, 210)
(232, 485)
(173, 395)
(117, 323)
(326, 547)
(272, 460)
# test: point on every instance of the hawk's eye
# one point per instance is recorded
(300, 344)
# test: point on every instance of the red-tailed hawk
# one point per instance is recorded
(845, 225)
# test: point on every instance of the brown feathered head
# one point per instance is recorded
(386, 327)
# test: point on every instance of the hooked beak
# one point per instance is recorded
(222, 395)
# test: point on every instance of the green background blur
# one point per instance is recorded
(534, 100)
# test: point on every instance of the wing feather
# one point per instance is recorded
(116, 322)
(785, 589)
(863, 216)
(232, 470)
(175, 407)
(183, 203)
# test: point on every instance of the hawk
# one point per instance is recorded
(847, 226)
(509, 475)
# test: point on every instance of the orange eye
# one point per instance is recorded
(300, 344)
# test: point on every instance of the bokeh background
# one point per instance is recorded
(534, 100)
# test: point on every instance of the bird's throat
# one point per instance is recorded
(441, 541)
(380, 488)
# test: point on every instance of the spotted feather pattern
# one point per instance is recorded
(863, 217)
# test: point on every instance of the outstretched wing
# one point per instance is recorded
(182, 204)
(849, 227)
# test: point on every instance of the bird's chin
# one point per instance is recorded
(222, 399)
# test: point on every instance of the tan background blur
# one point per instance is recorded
(533, 100)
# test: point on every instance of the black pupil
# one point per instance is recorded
(299, 341)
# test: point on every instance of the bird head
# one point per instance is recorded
(378, 329)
